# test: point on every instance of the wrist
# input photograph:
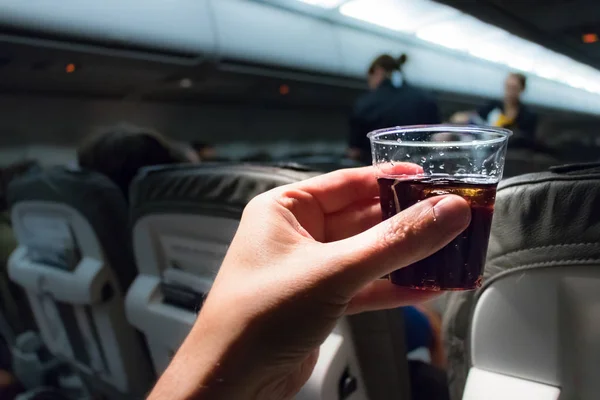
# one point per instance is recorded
(216, 361)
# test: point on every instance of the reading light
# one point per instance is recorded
(186, 83)
(589, 38)
(284, 90)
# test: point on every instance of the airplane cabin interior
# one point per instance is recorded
(106, 264)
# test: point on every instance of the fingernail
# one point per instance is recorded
(452, 211)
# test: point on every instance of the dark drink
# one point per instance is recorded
(459, 265)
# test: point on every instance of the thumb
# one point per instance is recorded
(409, 236)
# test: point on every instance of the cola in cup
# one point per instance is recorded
(416, 163)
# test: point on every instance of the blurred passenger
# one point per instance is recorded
(205, 151)
(120, 151)
(391, 102)
(424, 330)
(509, 113)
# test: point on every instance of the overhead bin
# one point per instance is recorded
(260, 32)
(180, 28)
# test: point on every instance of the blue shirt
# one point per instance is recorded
(417, 328)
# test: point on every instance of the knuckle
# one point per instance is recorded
(395, 231)
(406, 232)
(260, 201)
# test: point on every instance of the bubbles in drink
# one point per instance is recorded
(459, 265)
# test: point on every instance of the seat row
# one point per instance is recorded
(115, 287)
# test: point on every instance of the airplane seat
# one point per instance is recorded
(15, 313)
(521, 161)
(184, 218)
(75, 262)
(535, 323)
(324, 163)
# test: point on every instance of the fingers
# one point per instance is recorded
(352, 220)
(412, 235)
(383, 295)
(337, 190)
(399, 169)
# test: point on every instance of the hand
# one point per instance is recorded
(304, 255)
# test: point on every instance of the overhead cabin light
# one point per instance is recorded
(577, 82)
(438, 35)
(551, 65)
(522, 53)
(583, 77)
(546, 72)
(398, 15)
(595, 88)
(323, 3)
(520, 63)
(449, 35)
(490, 52)
(460, 32)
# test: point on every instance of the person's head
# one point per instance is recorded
(205, 151)
(120, 151)
(514, 86)
(383, 67)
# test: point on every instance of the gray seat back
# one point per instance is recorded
(74, 261)
(380, 342)
(525, 161)
(534, 326)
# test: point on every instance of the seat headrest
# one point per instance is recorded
(320, 163)
(546, 219)
(96, 198)
(214, 189)
(66, 185)
(526, 161)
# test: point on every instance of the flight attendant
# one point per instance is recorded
(509, 113)
(390, 102)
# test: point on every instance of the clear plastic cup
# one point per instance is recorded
(417, 162)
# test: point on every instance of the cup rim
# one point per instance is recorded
(502, 135)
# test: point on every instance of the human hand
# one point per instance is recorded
(304, 255)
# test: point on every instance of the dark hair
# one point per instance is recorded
(388, 63)
(521, 78)
(120, 151)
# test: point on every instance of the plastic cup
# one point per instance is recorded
(417, 162)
